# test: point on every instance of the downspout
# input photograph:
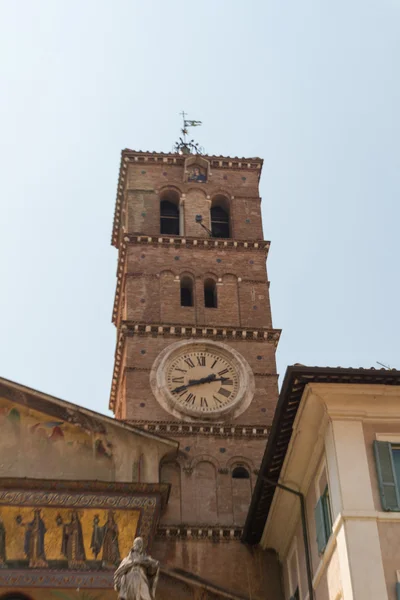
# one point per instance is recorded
(304, 528)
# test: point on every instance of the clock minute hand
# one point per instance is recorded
(195, 382)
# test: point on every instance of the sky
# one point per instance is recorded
(311, 86)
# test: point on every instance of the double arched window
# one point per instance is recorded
(220, 227)
(187, 292)
(169, 213)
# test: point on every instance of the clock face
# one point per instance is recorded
(202, 379)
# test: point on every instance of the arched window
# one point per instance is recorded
(220, 218)
(240, 473)
(186, 291)
(169, 214)
(210, 294)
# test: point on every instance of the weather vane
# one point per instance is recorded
(183, 145)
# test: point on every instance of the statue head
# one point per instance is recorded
(138, 545)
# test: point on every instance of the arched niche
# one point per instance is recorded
(197, 169)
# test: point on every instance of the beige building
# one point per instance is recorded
(334, 450)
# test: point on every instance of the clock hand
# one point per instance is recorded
(192, 382)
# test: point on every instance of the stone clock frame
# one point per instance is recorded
(160, 390)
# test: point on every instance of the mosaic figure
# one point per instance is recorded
(106, 537)
(34, 541)
(137, 576)
(72, 545)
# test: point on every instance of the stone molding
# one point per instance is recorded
(211, 533)
(178, 428)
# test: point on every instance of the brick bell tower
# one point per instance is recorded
(195, 355)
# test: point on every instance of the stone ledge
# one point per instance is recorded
(195, 532)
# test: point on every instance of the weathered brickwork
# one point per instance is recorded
(206, 492)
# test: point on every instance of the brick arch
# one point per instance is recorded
(229, 274)
(204, 458)
(168, 188)
(222, 192)
(167, 272)
(196, 187)
(236, 461)
(210, 275)
(187, 273)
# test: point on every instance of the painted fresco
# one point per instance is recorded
(47, 443)
(15, 422)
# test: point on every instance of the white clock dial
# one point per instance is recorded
(202, 379)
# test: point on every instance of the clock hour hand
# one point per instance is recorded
(192, 382)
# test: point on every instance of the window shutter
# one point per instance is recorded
(320, 525)
(386, 476)
(398, 591)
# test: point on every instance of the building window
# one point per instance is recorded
(293, 568)
(387, 456)
(240, 473)
(220, 218)
(323, 520)
(210, 294)
(169, 214)
(186, 291)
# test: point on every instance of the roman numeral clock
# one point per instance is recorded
(194, 378)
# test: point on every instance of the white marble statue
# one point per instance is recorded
(137, 575)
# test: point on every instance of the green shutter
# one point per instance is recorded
(319, 514)
(398, 591)
(386, 476)
(327, 513)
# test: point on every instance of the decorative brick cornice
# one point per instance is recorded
(161, 158)
(178, 428)
(129, 329)
(178, 242)
(195, 532)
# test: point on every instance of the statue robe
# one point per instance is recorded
(136, 577)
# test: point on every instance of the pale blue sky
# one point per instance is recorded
(312, 86)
